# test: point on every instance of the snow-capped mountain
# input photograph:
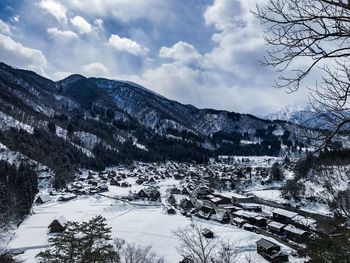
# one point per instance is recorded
(97, 122)
(298, 113)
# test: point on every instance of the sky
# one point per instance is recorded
(201, 52)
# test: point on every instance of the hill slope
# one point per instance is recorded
(94, 122)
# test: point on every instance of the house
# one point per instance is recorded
(124, 184)
(270, 251)
(259, 221)
(171, 210)
(235, 198)
(222, 217)
(283, 216)
(249, 227)
(175, 190)
(92, 182)
(179, 176)
(238, 221)
(143, 193)
(58, 225)
(114, 182)
(205, 212)
(103, 188)
(42, 199)
(276, 228)
(187, 204)
(67, 197)
(251, 207)
(295, 234)
(207, 233)
(152, 180)
(305, 223)
(203, 191)
(185, 191)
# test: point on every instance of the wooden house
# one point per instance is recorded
(187, 204)
(205, 212)
(175, 190)
(42, 199)
(238, 221)
(276, 227)
(270, 251)
(67, 197)
(283, 216)
(295, 234)
(171, 210)
(207, 233)
(103, 188)
(58, 225)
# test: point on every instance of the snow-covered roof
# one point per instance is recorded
(295, 230)
(275, 225)
(239, 220)
(216, 199)
(306, 221)
(44, 198)
(232, 195)
(285, 213)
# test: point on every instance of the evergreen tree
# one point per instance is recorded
(81, 242)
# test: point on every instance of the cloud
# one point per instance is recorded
(183, 52)
(59, 75)
(4, 28)
(54, 8)
(96, 69)
(240, 43)
(61, 34)
(81, 24)
(18, 55)
(123, 10)
(126, 45)
(98, 22)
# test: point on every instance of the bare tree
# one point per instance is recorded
(133, 253)
(309, 36)
(196, 248)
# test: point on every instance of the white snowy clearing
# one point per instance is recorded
(136, 224)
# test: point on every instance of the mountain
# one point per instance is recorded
(94, 122)
(298, 113)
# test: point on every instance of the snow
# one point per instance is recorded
(7, 122)
(146, 226)
(285, 213)
(270, 195)
(149, 225)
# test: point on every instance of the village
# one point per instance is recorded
(215, 194)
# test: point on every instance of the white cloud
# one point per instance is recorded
(98, 22)
(96, 69)
(20, 56)
(15, 18)
(54, 8)
(123, 10)
(239, 39)
(81, 24)
(4, 28)
(182, 52)
(61, 34)
(59, 75)
(126, 45)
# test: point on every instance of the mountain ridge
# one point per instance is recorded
(110, 121)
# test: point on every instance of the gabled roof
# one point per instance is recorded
(266, 244)
(285, 213)
(44, 198)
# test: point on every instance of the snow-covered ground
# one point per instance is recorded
(146, 226)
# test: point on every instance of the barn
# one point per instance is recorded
(58, 225)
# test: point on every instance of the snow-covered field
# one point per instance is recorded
(142, 225)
